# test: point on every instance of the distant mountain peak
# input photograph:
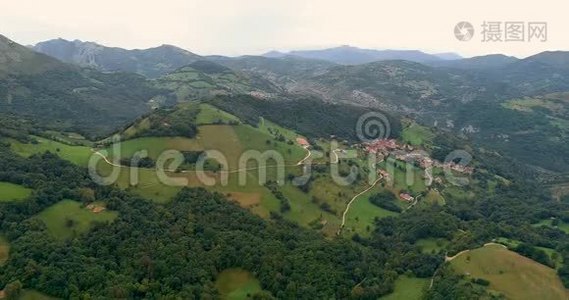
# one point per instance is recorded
(152, 62)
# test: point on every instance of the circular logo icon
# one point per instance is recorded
(372, 126)
(463, 31)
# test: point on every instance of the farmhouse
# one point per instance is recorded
(384, 173)
(302, 141)
(406, 197)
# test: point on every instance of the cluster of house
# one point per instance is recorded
(404, 152)
(383, 146)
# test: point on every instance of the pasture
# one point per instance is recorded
(417, 135)
(408, 288)
(78, 155)
(212, 115)
(67, 219)
(231, 141)
(511, 274)
(403, 177)
(237, 284)
(432, 245)
(13, 192)
(362, 214)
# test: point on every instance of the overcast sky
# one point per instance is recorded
(256, 26)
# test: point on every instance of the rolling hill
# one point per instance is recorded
(205, 79)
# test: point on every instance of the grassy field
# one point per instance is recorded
(417, 135)
(69, 138)
(553, 255)
(78, 155)
(362, 213)
(432, 245)
(155, 146)
(210, 114)
(237, 284)
(4, 250)
(255, 139)
(457, 193)
(13, 192)
(511, 274)
(561, 226)
(402, 179)
(134, 129)
(408, 288)
(67, 219)
(272, 128)
(434, 197)
(232, 141)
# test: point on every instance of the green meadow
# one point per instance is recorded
(511, 274)
(404, 177)
(362, 214)
(408, 288)
(231, 140)
(237, 284)
(416, 134)
(68, 218)
(13, 192)
(432, 245)
(210, 115)
(78, 155)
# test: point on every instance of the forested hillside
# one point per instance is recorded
(66, 97)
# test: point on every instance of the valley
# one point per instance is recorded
(160, 173)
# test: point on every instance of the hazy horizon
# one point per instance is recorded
(254, 27)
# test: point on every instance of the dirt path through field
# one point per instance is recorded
(352, 201)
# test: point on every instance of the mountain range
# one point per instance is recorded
(399, 224)
(348, 55)
(66, 96)
(468, 96)
(151, 62)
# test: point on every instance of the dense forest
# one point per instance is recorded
(306, 115)
(177, 249)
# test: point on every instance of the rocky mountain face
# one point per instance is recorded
(153, 62)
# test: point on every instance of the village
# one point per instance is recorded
(391, 148)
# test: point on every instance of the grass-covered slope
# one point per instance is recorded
(511, 274)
